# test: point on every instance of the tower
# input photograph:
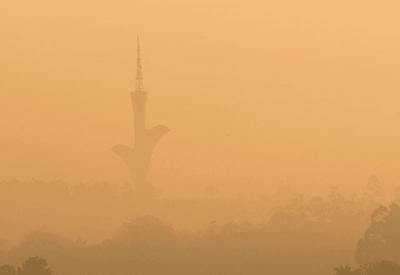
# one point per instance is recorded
(138, 158)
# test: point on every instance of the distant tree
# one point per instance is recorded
(381, 268)
(378, 268)
(374, 193)
(343, 270)
(143, 231)
(7, 270)
(381, 240)
(35, 266)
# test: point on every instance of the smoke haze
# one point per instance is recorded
(282, 145)
(256, 94)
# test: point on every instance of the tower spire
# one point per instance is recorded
(145, 140)
(139, 69)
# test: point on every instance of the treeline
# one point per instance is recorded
(32, 266)
(377, 268)
(286, 233)
(305, 237)
(92, 211)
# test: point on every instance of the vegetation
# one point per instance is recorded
(32, 266)
(298, 234)
(378, 268)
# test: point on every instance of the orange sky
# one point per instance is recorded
(256, 93)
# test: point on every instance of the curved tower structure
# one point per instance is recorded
(138, 158)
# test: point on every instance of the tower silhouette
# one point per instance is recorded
(138, 158)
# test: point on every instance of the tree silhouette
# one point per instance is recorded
(7, 270)
(144, 230)
(381, 240)
(381, 268)
(35, 266)
(343, 270)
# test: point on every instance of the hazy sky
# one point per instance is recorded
(256, 93)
